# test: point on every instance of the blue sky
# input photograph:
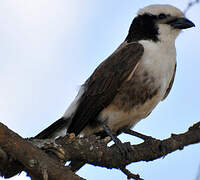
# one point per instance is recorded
(49, 48)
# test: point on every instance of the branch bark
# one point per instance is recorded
(31, 159)
(96, 152)
(89, 149)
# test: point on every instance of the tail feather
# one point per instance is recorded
(50, 131)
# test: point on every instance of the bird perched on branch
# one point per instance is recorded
(128, 85)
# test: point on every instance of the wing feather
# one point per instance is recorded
(103, 85)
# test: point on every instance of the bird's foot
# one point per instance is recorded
(49, 146)
(56, 150)
(124, 148)
(163, 148)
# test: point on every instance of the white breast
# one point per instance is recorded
(159, 59)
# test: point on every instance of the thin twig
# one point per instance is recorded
(190, 4)
(198, 173)
(130, 175)
(137, 134)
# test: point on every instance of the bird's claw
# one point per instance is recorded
(49, 146)
(56, 150)
(125, 149)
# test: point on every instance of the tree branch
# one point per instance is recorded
(190, 4)
(34, 161)
(130, 175)
(90, 150)
(96, 152)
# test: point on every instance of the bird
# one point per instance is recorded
(129, 84)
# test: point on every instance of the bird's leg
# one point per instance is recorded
(122, 147)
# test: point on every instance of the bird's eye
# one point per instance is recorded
(162, 16)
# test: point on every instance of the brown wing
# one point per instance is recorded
(170, 84)
(103, 85)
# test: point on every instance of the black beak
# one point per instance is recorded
(181, 23)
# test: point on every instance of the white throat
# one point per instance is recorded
(159, 59)
(167, 34)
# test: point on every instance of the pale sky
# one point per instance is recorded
(49, 48)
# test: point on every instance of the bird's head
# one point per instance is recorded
(157, 23)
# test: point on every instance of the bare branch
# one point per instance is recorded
(130, 175)
(37, 163)
(190, 4)
(92, 150)
(96, 152)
